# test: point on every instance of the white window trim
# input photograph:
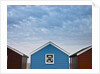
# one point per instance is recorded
(45, 59)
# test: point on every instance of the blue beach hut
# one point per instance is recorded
(49, 56)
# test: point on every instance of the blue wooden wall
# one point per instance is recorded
(61, 60)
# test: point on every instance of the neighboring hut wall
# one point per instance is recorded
(24, 62)
(73, 62)
(14, 60)
(85, 60)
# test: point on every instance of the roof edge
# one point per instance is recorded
(81, 51)
(84, 50)
(46, 44)
(20, 53)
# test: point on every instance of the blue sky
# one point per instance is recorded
(30, 26)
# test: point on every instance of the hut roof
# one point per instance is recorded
(20, 53)
(47, 45)
(81, 51)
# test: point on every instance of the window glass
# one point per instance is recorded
(49, 58)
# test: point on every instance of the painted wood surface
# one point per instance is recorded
(85, 60)
(61, 60)
(14, 60)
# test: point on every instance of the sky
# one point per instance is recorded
(31, 26)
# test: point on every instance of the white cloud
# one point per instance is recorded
(44, 30)
(10, 13)
(33, 38)
(36, 25)
(16, 26)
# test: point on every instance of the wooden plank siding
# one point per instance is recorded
(82, 59)
(74, 62)
(61, 58)
(85, 60)
(14, 60)
(24, 62)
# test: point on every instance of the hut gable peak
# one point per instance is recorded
(47, 45)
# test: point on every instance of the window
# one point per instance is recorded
(49, 58)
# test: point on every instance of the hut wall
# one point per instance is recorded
(85, 60)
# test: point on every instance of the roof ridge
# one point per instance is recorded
(48, 44)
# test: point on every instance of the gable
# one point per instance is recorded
(81, 51)
(49, 43)
(49, 49)
(12, 53)
(16, 51)
(85, 52)
(86, 49)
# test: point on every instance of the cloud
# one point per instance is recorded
(16, 26)
(44, 30)
(67, 25)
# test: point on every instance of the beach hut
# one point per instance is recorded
(16, 59)
(82, 59)
(49, 56)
